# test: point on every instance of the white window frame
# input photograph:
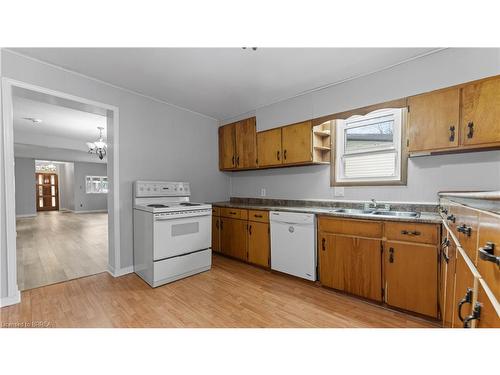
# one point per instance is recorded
(339, 154)
(101, 178)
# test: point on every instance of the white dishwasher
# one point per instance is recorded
(293, 244)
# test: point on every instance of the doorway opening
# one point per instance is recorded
(64, 222)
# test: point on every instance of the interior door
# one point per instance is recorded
(258, 243)
(481, 112)
(234, 237)
(434, 120)
(351, 264)
(411, 277)
(246, 144)
(47, 192)
(227, 154)
(297, 143)
(269, 148)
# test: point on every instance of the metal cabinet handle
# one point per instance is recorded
(445, 257)
(221, 225)
(411, 232)
(217, 224)
(486, 253)
(238, 160)
(444, 210)
(476, 315)
(284, 155)
(391, 255)
(232, 213)
(278, 155)
(233, 160)
(445, 242)
(323, 244)
(257, 216)
(464, 229)
(250, 229)
(451, 218)
(470, 133)
(452, 133)
(466, 299)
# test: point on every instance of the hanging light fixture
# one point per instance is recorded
(98, 147)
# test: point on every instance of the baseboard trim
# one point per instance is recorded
(25, 215)
(121, 271)
(10, 300)
(89, 211)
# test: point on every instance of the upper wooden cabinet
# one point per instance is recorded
(246, 144)
(434, 120)
(297, 143)
(459, 118)
(269, 148)
(238, 145)
(481, 112)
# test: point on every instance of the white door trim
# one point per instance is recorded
(9, 181)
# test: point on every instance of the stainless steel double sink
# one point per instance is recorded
(375, 212)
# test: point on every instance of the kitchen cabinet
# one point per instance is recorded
(465, 289)
(351, 264)
(484, 311)
(480, 112)
(258, 243)
(411, 277)
(448, 262)
(216, 234)
(246, 144)
(227, 151)
(269, 148)
(433, 120)
(233, 237)
(489, 251)
(238, 145)
(297, 143)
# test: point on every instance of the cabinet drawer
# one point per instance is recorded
(258, 215)
(235, 213)
(215, 211)
(489, 247)
(465, 228)
(359, 228)
(412, 232)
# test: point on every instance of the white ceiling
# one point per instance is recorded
(60, 127)
(223, 82)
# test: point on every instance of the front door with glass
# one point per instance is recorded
(47, 192)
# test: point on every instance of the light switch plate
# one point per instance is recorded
(338, 191)
(263, 192)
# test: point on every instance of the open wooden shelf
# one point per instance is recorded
(324, 148)
(322, 133)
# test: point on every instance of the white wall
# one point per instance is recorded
(25, 187)
(82, 200)
(67, 186)
(426, 175)
(157, 140)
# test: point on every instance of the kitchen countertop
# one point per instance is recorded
(425, 217)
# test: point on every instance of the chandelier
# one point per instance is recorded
(98, 147)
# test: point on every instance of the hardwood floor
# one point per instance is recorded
(57, 246)
(231, 294)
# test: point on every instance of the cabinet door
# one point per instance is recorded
(481, 112)
(227, 157)
(269, 148)
(258, 243)
(489, 250)
(215, 234)
(233, 237)
(464, 291)
(449, 264)
(434, 120)
(246, 144)
(411, 279)
(351, 264)
(297, 143)
(489, 316)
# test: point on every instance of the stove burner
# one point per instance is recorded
(156, 205)
(189, 204)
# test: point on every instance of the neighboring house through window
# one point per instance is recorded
(96, 184)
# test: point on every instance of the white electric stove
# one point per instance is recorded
(172, 236)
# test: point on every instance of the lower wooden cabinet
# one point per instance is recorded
(484, 312)
(351, 264)
(448, 263)
(258, 243)
(465, 290)
(233, 237)
(411, 277)
(216, 234)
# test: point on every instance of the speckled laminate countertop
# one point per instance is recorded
(425, 217)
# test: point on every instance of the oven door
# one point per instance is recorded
(177, 236)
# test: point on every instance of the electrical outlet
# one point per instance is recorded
(338, 191)
(263, 192)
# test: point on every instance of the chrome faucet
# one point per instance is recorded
(372, 205)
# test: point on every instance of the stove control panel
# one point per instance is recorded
(161, 189)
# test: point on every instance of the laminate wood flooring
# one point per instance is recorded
(231, 294)
(57, 246)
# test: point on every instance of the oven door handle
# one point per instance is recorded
(173, 217)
